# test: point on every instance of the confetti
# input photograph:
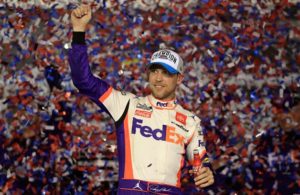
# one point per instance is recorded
(242, 79)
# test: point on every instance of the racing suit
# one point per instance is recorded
(152, 135)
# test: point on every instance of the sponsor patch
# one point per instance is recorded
(165, 133)
(162, 104)
(201, 143)
(144, 107)
(181, 118)
(180, 126)
(143, 113)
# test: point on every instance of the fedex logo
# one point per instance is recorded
(162, 104)
(201, 143)
(166, 133)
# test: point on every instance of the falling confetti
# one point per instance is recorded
(242, 79)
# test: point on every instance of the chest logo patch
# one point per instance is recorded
(181, 118)
(143, 113)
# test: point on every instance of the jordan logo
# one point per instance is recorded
(137, 186)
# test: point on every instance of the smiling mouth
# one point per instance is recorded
(158, 86)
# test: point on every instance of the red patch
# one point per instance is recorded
(143, 113)
(181, 118)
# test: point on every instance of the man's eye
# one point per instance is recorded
(165, 72)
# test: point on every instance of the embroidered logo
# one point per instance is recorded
(143, 113)
(181, 118)
(144, 107)
(180, 126)
(137, 186)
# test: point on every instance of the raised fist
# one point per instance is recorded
(80, 17)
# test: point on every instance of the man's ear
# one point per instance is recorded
(179, 79)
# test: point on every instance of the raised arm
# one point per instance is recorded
(112, 101)
(81, 73)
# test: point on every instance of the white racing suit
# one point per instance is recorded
(153, 136)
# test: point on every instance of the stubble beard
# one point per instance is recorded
(162, 94)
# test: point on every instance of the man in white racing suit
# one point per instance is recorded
(154, 133)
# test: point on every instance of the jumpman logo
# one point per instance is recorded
(137, 186)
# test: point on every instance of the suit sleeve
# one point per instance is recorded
(110, 100)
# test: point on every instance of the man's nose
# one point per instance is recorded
(159, 76)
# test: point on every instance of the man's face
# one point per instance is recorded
(162, 83)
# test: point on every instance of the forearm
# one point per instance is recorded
(81, 73)
(78, 60)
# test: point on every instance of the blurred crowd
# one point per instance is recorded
(242, 78)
